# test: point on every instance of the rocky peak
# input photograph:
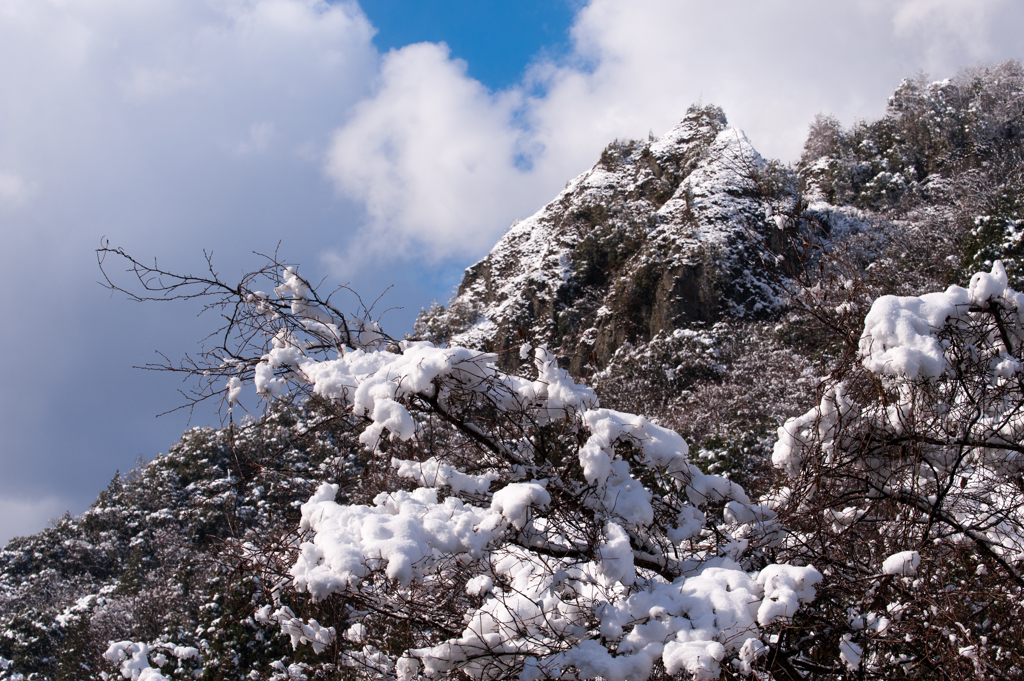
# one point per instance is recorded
(658, 235)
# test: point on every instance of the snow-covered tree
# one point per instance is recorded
(507, 526)
(905, 488)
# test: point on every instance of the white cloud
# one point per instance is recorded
(432, 155)
(257, 140)
(122, 83)
(145, 85)
(125, 118)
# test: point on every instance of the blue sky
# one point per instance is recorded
(496, 39)
(383, 144)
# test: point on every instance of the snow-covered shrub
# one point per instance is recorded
(726, 389)
(649, 376)
(949, 128)
(599, 546)
(904, 486)
(438, 323)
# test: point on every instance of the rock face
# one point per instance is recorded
(659, 235)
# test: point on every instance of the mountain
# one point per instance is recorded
(685, 277)
(678, 267)
(659, 235)
(673, 232)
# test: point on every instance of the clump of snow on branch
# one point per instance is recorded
(135, 658)
(850, 653)
(434, 473)
(300, 632)
(901, 332)
(785, 588)
(902, 563)
(819, 424)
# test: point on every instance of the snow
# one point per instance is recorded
(303, 632)
(593, 660)
(299, 632)
(902, 563)
(689, 523)
(616, 556)
(985, 286)
(850, 653)
(401, 530)
(900, 332)
(555, 389)
(699, 658)
(741, 513)
(785, 588)
(356, 633)
(818, 424)
(694, 618)
(514, 501)
(374, 383)
(479, 585)
(435, 473)
(295, 287)
(751, 651)
(711, 488)
(134, 658)
(234, 389)
(407, 668)
(899, 336)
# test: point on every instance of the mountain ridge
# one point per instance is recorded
(658, 235)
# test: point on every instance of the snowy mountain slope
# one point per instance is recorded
(658, 235)
(157, 554)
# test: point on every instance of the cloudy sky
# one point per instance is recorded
(388, 143)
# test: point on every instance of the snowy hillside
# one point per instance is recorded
(156, 555)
